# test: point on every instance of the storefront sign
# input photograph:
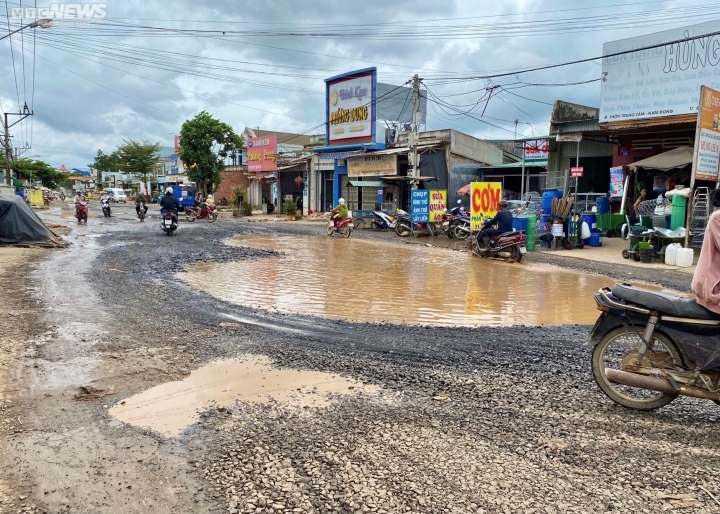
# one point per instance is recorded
(178, 148)
(484, 199)
(420, 205)
(537, 150)
(372, 165)
(438, 204)
(616, 182)
(262, 153)
(707, 146)
(661, 81)
(576, 171)
(350, 107)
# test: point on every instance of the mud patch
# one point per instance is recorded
(172, 407)
(371, 281)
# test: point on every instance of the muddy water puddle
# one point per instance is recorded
(371, 281)
(172, 407)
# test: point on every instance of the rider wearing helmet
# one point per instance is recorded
(169, 202)
(503, 219)
(80, 197)
(340, 212)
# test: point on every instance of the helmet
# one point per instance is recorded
(341, 201)
(78, 191)
(503, 203)
(169, 191)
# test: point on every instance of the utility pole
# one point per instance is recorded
(415, 135)
(6, 140)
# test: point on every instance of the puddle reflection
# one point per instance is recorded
(384, 282)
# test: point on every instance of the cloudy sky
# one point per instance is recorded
(138, 69)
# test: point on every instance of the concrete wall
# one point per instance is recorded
(475, 149)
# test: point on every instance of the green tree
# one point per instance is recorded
(206, 143)
(39, 170)
(139, 158)
(106, 162)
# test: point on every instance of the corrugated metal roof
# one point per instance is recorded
(528, 164)
(578, 126)
(461, 167)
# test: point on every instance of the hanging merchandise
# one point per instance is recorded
(616, 182)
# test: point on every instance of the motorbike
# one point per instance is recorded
(206, 211)
(649, 347)
(404, 226)
(141, 213)
(106, 208)
(169, 222)
(344, 227)
(509, 245)
(382, 221)
(461, 227)
(81, 212)
(449, 219)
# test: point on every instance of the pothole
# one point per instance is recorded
(172, 407)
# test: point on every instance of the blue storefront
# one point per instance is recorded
(350, 121)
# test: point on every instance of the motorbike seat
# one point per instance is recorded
(506, 234)
(665, 303)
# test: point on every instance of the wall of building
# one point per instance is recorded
(463, 145)
(228, 181)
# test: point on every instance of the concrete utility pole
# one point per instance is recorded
(415, 134)
(6, 140)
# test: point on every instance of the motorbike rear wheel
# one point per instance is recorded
(459, 232)
(346, 231)
(375, 226)
(617, 349)
(402, 229)
(212, 217)
(516, 255)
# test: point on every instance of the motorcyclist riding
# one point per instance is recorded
(169, 202)
(80, 197)
(504, 221)
(140, 202)
(340, 212)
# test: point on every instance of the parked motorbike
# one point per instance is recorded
(169, 222)
(206, 211)
(449, 219)
(651, 347)
(404, 226)
(509, 245)
(81, 212)
(106, 208)
(382, 221)
(344, 227)
(461, 227)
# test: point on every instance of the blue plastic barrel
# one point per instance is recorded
(520, 223)
(603, 205)
(596, 239)
(547, 199)
(591, 219)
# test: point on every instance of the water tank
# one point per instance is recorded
(547, 199)
(684, 257)
(671, 253)
(603, 205)
(591, 219)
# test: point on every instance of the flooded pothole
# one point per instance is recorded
(172, 407)
(372, 281)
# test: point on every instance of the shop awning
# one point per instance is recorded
(528, 164)
(365, 183)
(675, 158)
(408, 179)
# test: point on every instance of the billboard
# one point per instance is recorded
(262, 153)
(484, 199)
(707, 146)
(177, 144)
(420, 205)
(372, 165)
(438, 204)
(537, 150)
(350, 107)
(660, 81)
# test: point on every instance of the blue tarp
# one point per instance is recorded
(84, 173)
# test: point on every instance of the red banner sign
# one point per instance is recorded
(262, 153)
(576, 172)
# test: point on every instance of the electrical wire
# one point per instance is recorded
(12, 54)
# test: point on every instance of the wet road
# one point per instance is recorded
(490, 419)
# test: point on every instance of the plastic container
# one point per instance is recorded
(596, 239)
(677, 212)
(557, 229)
(671, 253)
(684, 257)
(591, 219)
(547, 199)
(531, 228)
(585, 233)
(520, 223)
(603, 205)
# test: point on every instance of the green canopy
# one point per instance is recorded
(17, 183)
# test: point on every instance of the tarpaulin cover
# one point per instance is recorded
(19, 225)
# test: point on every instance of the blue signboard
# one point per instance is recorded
(420, 205)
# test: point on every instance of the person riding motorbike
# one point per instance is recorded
(80, 197)
(339, 213)
(141, 202)
(504, 221)
(169, 203)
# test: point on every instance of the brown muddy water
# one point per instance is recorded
(373, 281)
(172, 407)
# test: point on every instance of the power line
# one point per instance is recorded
(12, 54)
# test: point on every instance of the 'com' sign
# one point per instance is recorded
(484, 199)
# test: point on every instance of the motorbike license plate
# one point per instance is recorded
(168, 222)
(446, 223)
(523, 250)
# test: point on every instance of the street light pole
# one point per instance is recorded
(44, 23)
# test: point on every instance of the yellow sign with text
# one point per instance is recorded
(438, 204)
(36, 198)
(707, 147)
(484, 199)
